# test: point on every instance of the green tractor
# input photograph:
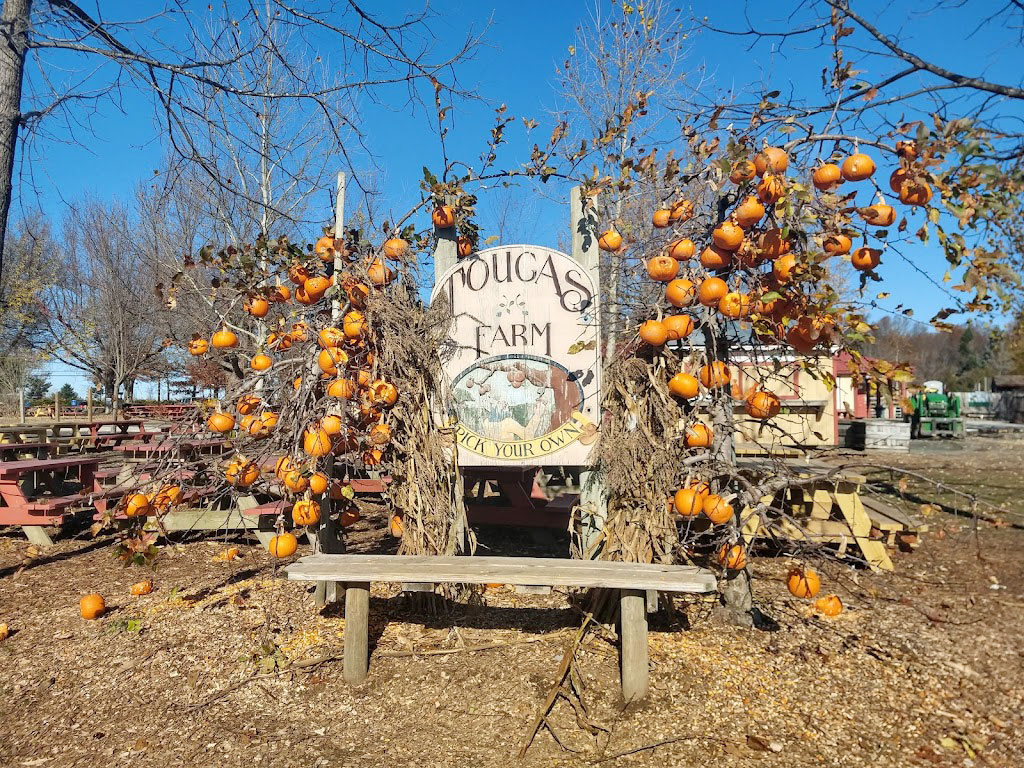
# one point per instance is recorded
(936, 414)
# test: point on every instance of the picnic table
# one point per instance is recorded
(33, 492)
(24, 433)
(21, 451)
(632, 580)
(98, 432)
(825, 508)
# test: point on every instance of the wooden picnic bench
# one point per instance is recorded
(23, 451)
(632, 580)
(23, 486)
(23, 433)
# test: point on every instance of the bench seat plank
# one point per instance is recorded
(506, 570)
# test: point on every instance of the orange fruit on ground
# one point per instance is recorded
(770, 190)
(610, 241)
(197, 347)
(717, 509)
(92, 606)
(443, 217)
(316, 442)
(662, 268)
(682, 250)
(762, 405)
(714, 257)
(830, 605)
(224, 339)
(711, 291)
(141, 587)
(735, 305)
(680, 292)
(257, 306)
(137, 505)
(260, 362)
(879, 215)
(318, 483)
(654, 333)
(733, 558)
(396, 248)
(727, 236)
(742, 171)
(803, 582)
(661, 218)
(684, 385)
(827, 177)
(858, 167)
(283, 545)
(688, 502)
(866, 258)
(749, 212)
(699, 436)
(837, 244)
(772, 158)
(714, 375)
(305, 512)
(678, 326)
(220, 422)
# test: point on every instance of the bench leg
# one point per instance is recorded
(357, 631)
(633, 644)
(37, 535)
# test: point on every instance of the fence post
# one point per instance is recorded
(88, 404)
(21, 406)
(56, 407)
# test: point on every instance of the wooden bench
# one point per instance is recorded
(24, 499)
(632, 580)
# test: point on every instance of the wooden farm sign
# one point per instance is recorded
(522, 357)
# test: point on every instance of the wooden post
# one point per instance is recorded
(357, 631)
(446, 249)
(88, 404)
(593, 498)
(328, 537)
(56, 407)
(21, 406)
(632, 644)
(339, 233)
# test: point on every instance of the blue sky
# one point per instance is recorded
(524, 42)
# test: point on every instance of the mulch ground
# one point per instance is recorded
(226, 663)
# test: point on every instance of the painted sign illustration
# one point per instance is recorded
(522, 357)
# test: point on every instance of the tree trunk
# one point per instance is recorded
(14, 22)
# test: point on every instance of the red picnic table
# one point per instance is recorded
(33, 493)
